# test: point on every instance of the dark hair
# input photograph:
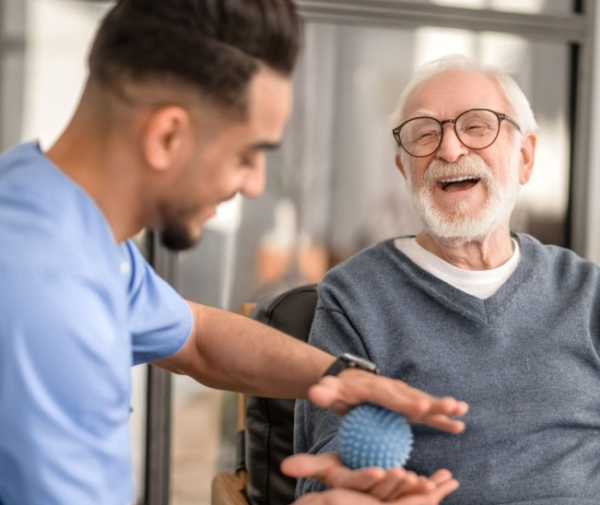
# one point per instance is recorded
(215, 45)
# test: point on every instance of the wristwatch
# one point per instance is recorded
(350, 361)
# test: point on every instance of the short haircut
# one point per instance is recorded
(520, 109)
(216, 46)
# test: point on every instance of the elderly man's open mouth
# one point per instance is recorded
(455, 184)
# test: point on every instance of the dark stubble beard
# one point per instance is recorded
(175, 234)
(177, 239)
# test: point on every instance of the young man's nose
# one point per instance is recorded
(255, 182)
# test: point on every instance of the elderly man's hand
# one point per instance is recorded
(380, 484)
(353, 386)
(369, 486)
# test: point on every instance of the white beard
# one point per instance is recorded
(460, 227)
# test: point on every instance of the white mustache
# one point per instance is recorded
(472, 166)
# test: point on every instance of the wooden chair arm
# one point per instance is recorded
(228, 489)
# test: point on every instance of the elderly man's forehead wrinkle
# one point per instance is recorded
(423, 112)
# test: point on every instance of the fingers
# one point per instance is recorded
(347, 497)
(442, 491)
(433, 497)
(336, 497)
(328, 469)
(362, 480)
(306, 465)
(441, 476)
(353, 386)
(382, 486)
(443, 423)
(428, 490)
(399, 482)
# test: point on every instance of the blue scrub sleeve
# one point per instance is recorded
(160, 321)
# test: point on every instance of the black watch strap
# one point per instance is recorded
(350, 361)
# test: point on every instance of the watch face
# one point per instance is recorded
(350, 361)
(357, 362)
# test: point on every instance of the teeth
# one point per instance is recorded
(457, 179)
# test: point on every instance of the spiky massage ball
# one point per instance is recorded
(374, 436)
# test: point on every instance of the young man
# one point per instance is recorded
(182, 100)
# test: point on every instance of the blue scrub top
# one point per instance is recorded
(77, 311)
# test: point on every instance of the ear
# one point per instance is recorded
(166, 137)
(527, 158)
(400, 166)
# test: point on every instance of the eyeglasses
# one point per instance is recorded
(475, 128)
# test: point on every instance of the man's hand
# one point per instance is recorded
(369, 486)
(352, 387)
(381, 484)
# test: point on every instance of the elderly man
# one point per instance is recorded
(467, 308)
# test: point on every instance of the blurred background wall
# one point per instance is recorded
(332, 188)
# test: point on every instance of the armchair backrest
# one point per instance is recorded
(270, 422)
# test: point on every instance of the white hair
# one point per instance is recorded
(520, 109)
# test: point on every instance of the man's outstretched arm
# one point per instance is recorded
(231, 352)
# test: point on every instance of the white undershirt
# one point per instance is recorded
(479, 283)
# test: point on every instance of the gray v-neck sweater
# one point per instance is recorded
(526, 360)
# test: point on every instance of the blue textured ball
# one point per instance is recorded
(374, 436)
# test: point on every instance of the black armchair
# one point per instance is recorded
(265, 432)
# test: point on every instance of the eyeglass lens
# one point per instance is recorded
(476, 129)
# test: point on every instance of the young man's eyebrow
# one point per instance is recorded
(265, 146)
